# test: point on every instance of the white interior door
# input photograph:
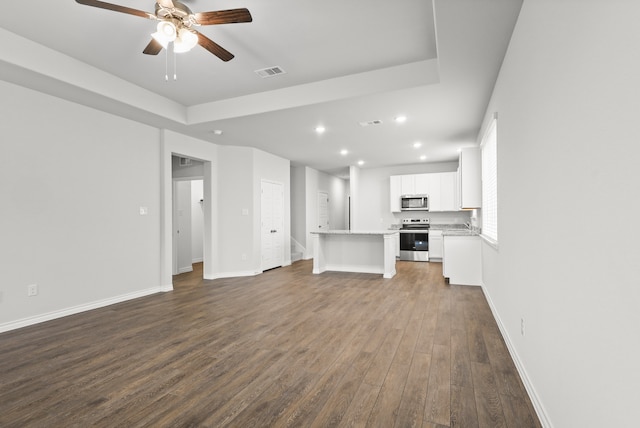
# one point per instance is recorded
(323, 211)
(272, 220)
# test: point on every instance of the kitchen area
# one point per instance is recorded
(433, 209)
(436, 217)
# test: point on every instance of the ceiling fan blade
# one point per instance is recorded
(117, 8)
(214, 48)
(230, 16)
(153, 48)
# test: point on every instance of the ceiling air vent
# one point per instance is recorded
(270, 72)
(371, 122)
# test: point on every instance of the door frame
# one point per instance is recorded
(179, 145)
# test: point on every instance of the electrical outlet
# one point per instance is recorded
(32, 290)
(522, 326)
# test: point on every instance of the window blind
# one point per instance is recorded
(489, 149)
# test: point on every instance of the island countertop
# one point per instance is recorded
(370, 251)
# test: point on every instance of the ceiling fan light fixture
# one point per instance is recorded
(166, 33)
(187, 39)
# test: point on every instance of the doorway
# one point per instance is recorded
(188, 225)
(323, 211)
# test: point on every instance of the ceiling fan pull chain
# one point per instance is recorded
(166, 66)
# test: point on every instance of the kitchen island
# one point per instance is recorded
(355, 251)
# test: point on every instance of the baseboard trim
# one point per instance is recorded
(533, 395)
(25, 322)
(185, 269)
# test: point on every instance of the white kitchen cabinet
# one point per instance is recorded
(470, 178)
(422, 184)
(408, 184)
(434, 192)
(462, 259)
(442, 189)
(448, 190)
(395, 191)
(435, 244)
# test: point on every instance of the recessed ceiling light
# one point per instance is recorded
(360, 162)
(216, 132)
(423, 157)
(343, 152)
(417, 145)
(401, 119)
(320, 129)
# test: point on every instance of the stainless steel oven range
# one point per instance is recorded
(414, 239)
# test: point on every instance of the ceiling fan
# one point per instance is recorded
(176, 22)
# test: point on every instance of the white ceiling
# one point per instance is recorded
(346, 62)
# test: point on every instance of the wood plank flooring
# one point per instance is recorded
(285, 349)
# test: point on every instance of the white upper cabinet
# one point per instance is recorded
(435, 193)
(395, 187)
(408, 184)
(442, 189)
(422, 184)
(470, 185)
(449, 191)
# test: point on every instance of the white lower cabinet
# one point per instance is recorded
(462, 259)
(435, 244)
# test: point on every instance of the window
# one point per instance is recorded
(489, 148)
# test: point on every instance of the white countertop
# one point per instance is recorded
(355, 232)
(460, 232)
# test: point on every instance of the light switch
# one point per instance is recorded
(144, 210)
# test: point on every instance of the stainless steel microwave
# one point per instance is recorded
(414, 203)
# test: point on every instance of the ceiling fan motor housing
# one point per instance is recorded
(179, 12)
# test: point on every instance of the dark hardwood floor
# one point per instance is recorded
(285, 348)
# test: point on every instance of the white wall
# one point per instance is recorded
(235, 178)
(316, 181)
(72, 181)
(568, 98)
(337, 189)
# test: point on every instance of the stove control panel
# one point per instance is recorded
(408, 221)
